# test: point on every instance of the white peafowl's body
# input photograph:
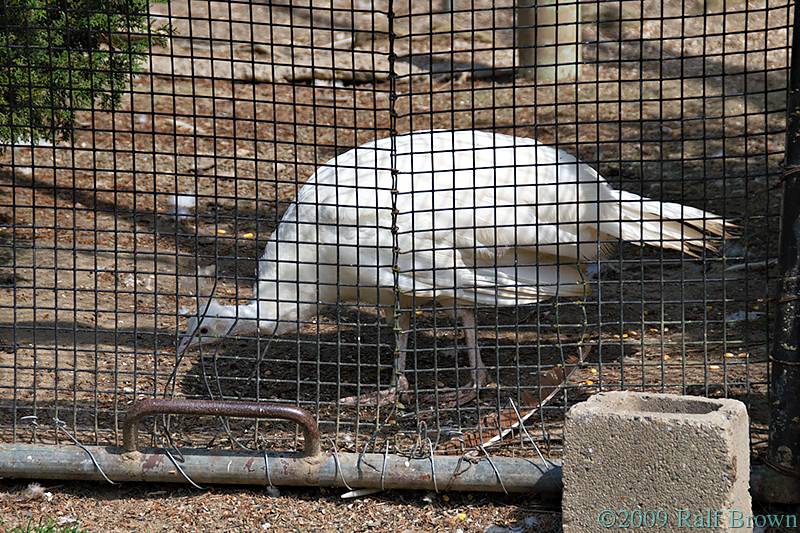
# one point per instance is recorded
(483, 219)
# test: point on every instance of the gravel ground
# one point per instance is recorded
(136, 507)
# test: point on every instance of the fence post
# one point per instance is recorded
(547, 38)
(783, 452)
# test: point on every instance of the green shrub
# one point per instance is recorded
(61, 56)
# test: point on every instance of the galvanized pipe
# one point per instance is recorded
(783, 452)
(326, 470)
(28, 461)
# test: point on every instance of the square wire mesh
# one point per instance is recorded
(105, 236)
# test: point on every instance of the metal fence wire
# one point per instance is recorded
(259, 185)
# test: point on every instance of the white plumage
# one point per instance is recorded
(482, 218)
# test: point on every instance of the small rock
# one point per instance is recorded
(148, 282)
(182, 205)
(279, 168)
(66, 520)
(25, 172)
(742, 316)
(733, 250)
(528, 524)
(273, 491)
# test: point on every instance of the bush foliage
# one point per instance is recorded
(58, 57)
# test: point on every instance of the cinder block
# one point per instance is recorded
(684, 458)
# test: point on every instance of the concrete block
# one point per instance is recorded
(682, 460)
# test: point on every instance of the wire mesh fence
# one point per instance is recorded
(410, 248)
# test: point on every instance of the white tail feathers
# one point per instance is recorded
(642, 221)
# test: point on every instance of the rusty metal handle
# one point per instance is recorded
(143, 408)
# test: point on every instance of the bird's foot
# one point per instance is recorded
(380, 398)
(456, 398)
(463, 395)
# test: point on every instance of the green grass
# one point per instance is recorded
(49, 527)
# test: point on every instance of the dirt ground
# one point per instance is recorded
(167, 508)
(96, 266)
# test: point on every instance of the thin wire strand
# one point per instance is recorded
(61, 426)
(339, 472)
(496, 471)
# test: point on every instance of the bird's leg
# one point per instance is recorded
(477, 369)
(480, 375)
(399, 381)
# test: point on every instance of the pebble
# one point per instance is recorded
(182, 205)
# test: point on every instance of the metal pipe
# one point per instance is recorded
(239, 409)
(351, 470)
(548, 39)
(783, 452)
(30, 461)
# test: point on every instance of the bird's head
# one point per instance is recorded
(207, 327)
(212, 323)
